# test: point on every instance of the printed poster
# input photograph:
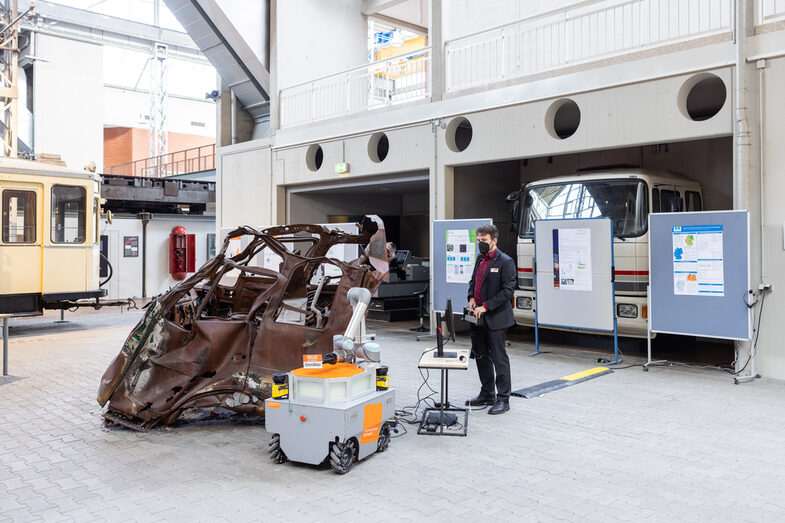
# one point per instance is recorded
(461, 255)
(698, 260)
(572, 259)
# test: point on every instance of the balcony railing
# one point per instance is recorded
(178, 162)
(770, 11)
(583, 32)
(380, 84)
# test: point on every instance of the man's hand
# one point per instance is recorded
(472, 304)
(479, 311)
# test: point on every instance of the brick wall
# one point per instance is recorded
(125, 144)
(118, 145)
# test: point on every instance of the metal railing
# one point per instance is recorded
(387, 82)
(580, 33)
(179, 162)
(769, 11)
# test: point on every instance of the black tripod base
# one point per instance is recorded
(420, 329)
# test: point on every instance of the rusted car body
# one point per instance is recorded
(216, 338)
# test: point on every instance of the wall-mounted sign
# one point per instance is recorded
(130, 246)
(342, 168)
(210, 245)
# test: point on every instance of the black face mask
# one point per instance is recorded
(484, 247)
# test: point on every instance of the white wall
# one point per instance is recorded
(126, 108)
(771, 350)
(68, 100)
(244, 188)
(158, 230)
(126, 279)
(317, 38)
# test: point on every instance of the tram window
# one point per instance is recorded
(68, 214)
(18, 216)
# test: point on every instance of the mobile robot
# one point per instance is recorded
(337, 408)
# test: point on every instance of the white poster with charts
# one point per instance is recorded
(460, 255)
(698, 260)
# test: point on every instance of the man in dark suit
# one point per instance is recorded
(490, 297)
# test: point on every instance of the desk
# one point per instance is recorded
(460, 362)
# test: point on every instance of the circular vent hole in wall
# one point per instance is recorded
(378, 147)
(702, 96)
(562, 118)
(314, 157)
(458, 134)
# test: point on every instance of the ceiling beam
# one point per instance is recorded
(389, 20)
(371, 7)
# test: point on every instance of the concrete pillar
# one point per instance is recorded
(223, 115)
(437, 50)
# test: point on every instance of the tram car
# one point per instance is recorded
(49, 246)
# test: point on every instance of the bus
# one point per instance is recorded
(626, 195)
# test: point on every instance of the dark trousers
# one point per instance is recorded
(491, 358)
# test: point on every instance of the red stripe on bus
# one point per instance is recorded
(521, 269)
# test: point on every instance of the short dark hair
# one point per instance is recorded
(489, 229)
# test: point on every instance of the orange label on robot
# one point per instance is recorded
(372, 422)
(312, 361)
(273, 404)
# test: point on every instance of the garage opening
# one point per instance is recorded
(682, 176)
(402, 202)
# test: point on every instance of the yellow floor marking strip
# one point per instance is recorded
(583, 374)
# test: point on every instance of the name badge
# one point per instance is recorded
(495, 269)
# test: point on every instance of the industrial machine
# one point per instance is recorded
(335, 408)
(398, 299)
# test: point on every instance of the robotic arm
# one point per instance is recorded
(351, 347)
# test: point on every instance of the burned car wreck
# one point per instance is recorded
(216, 339)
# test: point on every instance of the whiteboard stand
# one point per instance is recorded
(753, 375)
(724, 316)
(648, 333)
(536, 322)
(595, 222)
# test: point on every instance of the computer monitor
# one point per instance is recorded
(445, 330)
(402, 257)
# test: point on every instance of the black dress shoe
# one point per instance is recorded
(500, 407)
(481, 401)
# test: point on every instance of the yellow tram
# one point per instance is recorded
(49, 247)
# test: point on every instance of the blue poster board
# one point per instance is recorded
(699, 264)
(442, 288)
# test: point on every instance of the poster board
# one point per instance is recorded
(574, 278)
(449, 255)
(699, 265)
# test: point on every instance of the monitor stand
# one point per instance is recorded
(440, 342)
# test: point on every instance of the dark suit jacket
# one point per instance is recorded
(497, 290)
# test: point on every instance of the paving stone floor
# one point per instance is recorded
(670, 444)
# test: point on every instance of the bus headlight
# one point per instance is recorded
(523, 303)
(627, 310)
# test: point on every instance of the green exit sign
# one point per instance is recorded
(341, 168)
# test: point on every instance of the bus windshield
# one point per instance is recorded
(625, 202)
